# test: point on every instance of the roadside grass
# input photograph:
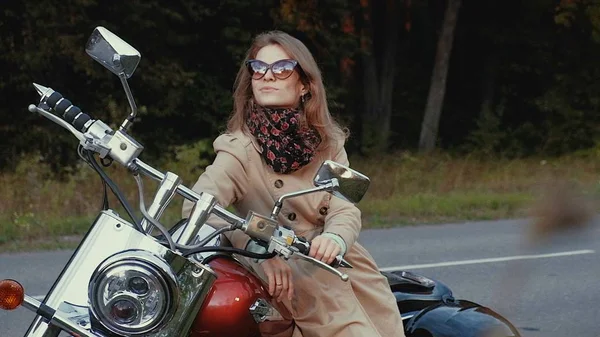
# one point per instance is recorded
(408, 189)
(424, 208)
(41, 211)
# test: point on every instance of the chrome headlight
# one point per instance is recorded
(133, 292)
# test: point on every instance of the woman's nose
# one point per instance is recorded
(269, 76)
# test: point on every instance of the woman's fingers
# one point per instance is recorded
(270, 276)
(333, 249)
(318, 247)
(278, 284)
(279, 277)
(287, 288)
(315, 244)
(290, 292)
(324, 249)
(283, 286)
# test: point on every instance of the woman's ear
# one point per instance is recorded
(304, 89)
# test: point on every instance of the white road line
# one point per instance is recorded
(490, 260)
(464, 262)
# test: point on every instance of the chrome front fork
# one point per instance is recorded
(83, 264)
(68, 300)
(164, 195)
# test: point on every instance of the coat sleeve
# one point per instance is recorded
(343, 218)
(226, 180)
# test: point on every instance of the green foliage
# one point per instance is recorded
(546, 96)
(182, 85)
(320, 25)
(546, 83)
(488, 136)
(571, 101)
(190, 160)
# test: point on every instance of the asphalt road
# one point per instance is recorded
(550, 290)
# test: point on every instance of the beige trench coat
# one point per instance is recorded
(322, 305)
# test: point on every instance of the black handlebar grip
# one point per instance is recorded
(80, 121)
(72, 114)
(53, 99)
(62, 106)
(302, 244)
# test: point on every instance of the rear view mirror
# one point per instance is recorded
(353, 185)
(112, 52)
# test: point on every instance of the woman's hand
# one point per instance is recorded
(279, 275)
(324, 249)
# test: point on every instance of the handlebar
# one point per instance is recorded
(286, 243)
(282, 241)
(96, 136)
(189, 194)
(70, 113)
(303, 247)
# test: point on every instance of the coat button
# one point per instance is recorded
(292, 216)
(278, 183)
(323, 210)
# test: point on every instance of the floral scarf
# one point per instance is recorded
(286, 145)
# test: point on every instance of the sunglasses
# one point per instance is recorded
(281, 69)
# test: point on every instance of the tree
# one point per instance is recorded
(379, 45)
(328, 29)
(362, 39)
(190, 54)
(435, 99)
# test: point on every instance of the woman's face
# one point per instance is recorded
(273, 92)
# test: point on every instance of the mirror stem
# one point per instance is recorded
(331, 186)
(127, 122)
(276, 208)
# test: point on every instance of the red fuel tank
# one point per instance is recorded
(226, 310)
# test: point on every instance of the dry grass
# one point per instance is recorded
(405, 189)
(409, 189)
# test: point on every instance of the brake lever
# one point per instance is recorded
(57, 120)
(304, 247)
(340, 262)
(343, 276)
(291, 252)
(88, 140)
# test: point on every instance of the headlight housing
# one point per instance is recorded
(133, 292)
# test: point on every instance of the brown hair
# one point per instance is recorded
(315, 108)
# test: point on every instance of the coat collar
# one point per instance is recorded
(245, 134)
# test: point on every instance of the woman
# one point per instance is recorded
(278, 135)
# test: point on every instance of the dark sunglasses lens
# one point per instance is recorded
(283, 69)
(257, 69)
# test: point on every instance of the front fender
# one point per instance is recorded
(459, 319)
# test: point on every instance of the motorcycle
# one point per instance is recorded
(124, 281)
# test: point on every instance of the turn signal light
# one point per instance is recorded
(12, 294)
